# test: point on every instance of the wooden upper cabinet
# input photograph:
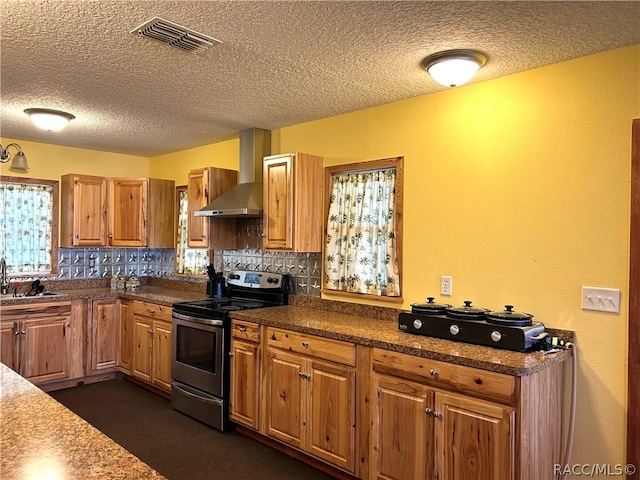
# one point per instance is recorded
(205, 185)
(128, 212)
(141, 212)
(292, 203)
(117, 212)
(84, 211)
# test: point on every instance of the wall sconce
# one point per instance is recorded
(19, 163)
(453, 67)
(46, 119)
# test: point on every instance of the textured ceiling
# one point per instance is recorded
(279, 63)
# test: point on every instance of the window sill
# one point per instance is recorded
(363, 296)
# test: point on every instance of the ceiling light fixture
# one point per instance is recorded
(19, 163)
(452, 68)
(46, 119)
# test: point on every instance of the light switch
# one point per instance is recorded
(601, 299)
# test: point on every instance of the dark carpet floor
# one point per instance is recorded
(174, 444)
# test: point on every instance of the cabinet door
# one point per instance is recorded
(128, 212)
(8, 331)
(104, 333)
(402, 434)
(278, 202)
(197, 191)
(84, 211)
(474, 438)
(141, 361)
(45, 349)
(125, 347)
(245, 369)
(330, 418)
(161, 355)
(284, 414)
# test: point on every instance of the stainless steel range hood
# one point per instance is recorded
(245, 199)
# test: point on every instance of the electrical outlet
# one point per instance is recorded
(601, 299)
(446, 285)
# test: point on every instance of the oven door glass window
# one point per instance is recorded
(197, 348)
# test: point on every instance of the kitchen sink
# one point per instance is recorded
(6, 296)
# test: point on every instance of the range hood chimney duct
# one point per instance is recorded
(245, 199)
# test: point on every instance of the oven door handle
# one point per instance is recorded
(205, 321)
(215, 401)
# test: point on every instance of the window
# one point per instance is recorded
(189, 261)
(363, 247)
(29, 225)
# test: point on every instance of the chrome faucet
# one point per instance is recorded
(3, 272)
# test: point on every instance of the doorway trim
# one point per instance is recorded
(633, 368)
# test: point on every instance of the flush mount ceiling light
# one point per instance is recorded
(46, 119)
(19, 163)
(453, 67)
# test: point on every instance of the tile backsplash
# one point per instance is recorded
(95, 263)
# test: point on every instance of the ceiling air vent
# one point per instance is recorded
(174, 34)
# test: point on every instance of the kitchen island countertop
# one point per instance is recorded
(41, 438)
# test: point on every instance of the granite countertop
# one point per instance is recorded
(383, 333)
(147, 293)
(42, 438)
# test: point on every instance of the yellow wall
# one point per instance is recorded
(519, 189)
(176, 165)
(52, 161)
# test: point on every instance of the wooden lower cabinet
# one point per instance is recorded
(7, 334)
(105, 329)
(151, 361)
(380, 414)
(434, 420)
(39, 340)
(310, 402)
(403, 435)
(244, 406)
(125, 341)
(421, 433)
(474, 438)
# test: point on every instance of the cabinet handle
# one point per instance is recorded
(203, 236)
(23, 332)
(231, 354)
(305, 344)
(151, 331)
(110, 235)
(242, 328)
(432, 412)
(77, 235)
(301, 374)
(433, 373)
(151, 312)
(16, 333)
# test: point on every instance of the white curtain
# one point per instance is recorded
(360, 252)
(190, 261)
(25, 227)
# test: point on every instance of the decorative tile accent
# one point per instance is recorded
(102, 263)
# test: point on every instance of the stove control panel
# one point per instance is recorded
(261, 280)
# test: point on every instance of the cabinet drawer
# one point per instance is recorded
(480, 383)
(324, 348)
(152, 310)
(34, 310)
(245, 331)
